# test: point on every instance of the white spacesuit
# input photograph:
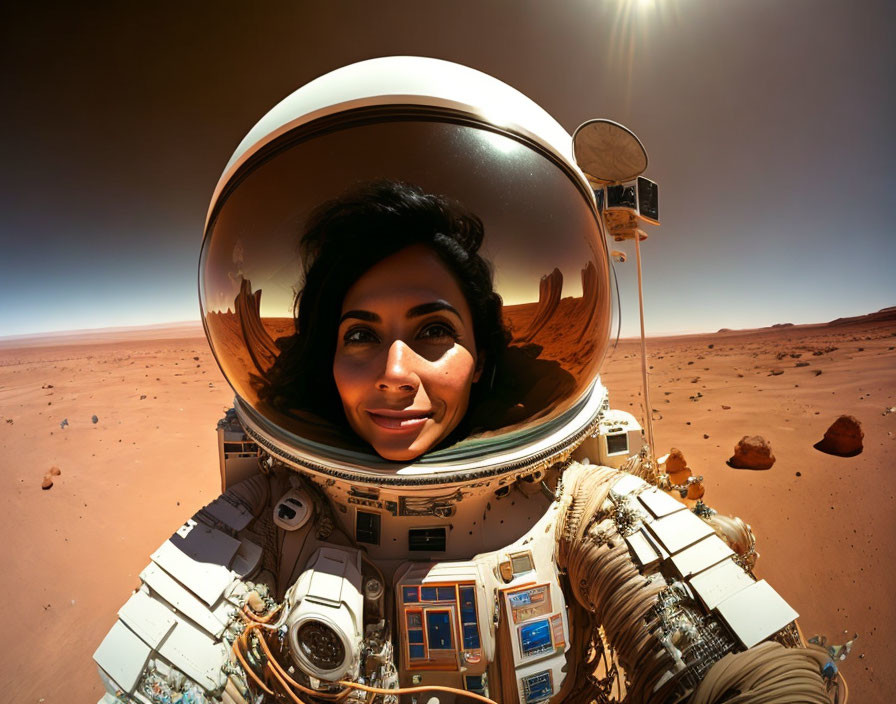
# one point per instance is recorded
(502, 565)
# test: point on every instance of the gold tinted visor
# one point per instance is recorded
(541, 235)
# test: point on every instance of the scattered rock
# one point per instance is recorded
(54, 471)
(817, 372)
(47, 482)
(142, 396)
(799, 474)
(752, 452)
(843, 438)
(801, 364)
(726, 408)
(675, 462)
(94, 420)
(705, 436)
(63, 423)
(776, 372)
(710, 346)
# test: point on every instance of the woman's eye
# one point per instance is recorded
(437, 331)
(359, 336)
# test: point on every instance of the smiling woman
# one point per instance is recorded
(396, 322)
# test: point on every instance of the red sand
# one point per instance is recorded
(826, 537)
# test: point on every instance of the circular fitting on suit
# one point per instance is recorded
(446, 131)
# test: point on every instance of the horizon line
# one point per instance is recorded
(197, 324)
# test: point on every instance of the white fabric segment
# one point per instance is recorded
(247, 558)
(755, 613)
(679, 530)
(718, 583)
(205, 544)
(702, 555)
(123, 656)
(205, 579)
(196, 654)
(234, 517)
(148, 618)
(628, 484)
(174, 593)
(642, 549)
(659, 503)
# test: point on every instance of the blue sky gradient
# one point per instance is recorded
(769, 127)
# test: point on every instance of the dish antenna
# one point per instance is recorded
(608, 153)
(613, 159)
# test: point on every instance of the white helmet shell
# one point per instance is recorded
(447, 130)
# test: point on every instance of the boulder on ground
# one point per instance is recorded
(47, 482)
(843, 438)
(752, 452)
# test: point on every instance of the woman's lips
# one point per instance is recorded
(399, 420)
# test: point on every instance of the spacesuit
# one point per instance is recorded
(537, 558)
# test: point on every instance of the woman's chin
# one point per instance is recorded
(399, 453)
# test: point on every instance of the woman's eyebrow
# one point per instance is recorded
(427, 308)
(364, 315)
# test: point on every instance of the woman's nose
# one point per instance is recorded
(400, 371)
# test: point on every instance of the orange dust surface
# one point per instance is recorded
(826, 526)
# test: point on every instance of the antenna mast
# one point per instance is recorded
(613, 159)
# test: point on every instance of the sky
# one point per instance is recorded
(769, 127)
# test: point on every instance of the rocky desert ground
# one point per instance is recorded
(128, 419)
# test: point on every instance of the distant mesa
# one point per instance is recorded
(843, 438)
(589, 307)
(752, 452)
(549, 290)
(782, 325)
(261, 347)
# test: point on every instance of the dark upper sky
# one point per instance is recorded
(769, 126)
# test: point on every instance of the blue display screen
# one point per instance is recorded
(471, 636)
(467, 598)
(428, 593)
(535, 637)
(538, 687)
(475, 684)
(438, 630)
(410, 595)
(416, 652)
(447, 594)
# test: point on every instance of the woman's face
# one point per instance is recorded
(405, 354)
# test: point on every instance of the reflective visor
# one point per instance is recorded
(541, 236)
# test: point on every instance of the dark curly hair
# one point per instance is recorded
(343, 239)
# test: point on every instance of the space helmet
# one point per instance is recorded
(462, 135)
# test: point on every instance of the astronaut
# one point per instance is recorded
(426, 496)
